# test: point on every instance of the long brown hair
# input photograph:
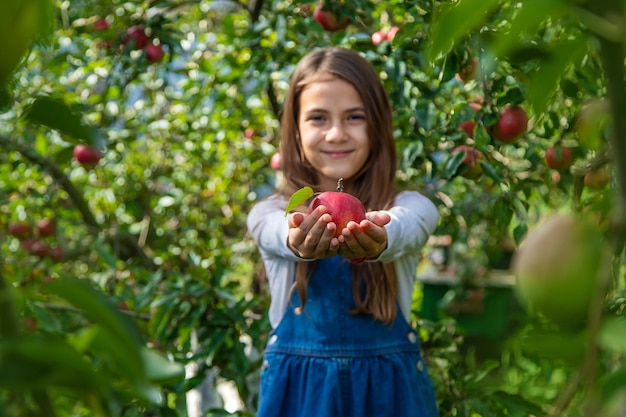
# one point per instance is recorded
(373, 184)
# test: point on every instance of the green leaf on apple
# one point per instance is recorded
(298, 198)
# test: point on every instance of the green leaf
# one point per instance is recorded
(122, 361)
(57, 115)
(519, 232)
(455, 21)
(527, 21)
(613, 335)
(545, 80)
(567, 347)
(613, 384)
(452, 164)
(298, 198)
(100, 310)
(411, 152)
(161, 370)
(491, 172)
(37, 362)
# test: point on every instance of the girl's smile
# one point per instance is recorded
(333, 130)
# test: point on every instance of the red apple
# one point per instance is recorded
(476, 104)
(328, 20)
(56, 253)
(87, 155)
(19, 230)
(101, 24)
(276, 161)
(136, 37)
(597, 179)
(45, 227)
(559, 157)
(511, 125)
(392, 33)
(341, 206)
(471, 163)
(378, 37)
(468, 127)
(249, 133)
(154, 53)
(27, 244)
(38, 248)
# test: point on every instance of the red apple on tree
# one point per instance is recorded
(45, 227)
(101, 24)
(56, 253)
(19, 230)
(37, 248)
(469, 126)
(249, 133)
(341, 206)
(87, 155)
(511, 125)
(559, 157)
(392, 33)
(136, 37)
(154, 53)
(471, 162)
(276, 161)
(378, 37)
(328, 19)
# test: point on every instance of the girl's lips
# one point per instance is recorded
(337, 154)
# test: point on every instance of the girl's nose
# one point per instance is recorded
(335, 133)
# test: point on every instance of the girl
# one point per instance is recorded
(341, 345)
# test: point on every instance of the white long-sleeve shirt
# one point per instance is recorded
(413, 219)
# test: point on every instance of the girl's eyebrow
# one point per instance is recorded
(322, 110)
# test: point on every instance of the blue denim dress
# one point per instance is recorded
(326, 362)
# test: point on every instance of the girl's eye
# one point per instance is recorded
(316, 117)
(356, 117)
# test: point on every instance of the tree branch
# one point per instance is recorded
(271, 94)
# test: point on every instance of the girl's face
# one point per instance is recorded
(333, 130)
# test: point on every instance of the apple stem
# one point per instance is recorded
(340, 185)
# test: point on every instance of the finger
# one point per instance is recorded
(355, 240)
(366, 239)
(317, 239)
(319, 229)
(376, 233)
(379, 218)
(328, 245)
(301, 225)
(296, 219)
